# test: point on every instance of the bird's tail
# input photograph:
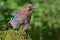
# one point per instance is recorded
(7, 26)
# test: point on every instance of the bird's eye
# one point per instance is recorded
(30, 7)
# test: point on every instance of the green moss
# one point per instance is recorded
(12, 35)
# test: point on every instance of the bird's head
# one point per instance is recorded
(29, 8)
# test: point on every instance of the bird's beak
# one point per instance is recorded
(34, 7)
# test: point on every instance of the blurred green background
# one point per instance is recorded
(45, 20)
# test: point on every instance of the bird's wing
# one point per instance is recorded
(18, 13)
(15, 22)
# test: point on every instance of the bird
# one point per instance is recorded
(21, 18)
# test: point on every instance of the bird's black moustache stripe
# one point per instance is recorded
(30, 9)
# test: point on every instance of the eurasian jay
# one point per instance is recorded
(21, 18)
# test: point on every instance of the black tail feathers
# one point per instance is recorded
(7, 27)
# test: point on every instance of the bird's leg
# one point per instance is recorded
(25, 28)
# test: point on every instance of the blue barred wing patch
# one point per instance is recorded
(14, 17)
